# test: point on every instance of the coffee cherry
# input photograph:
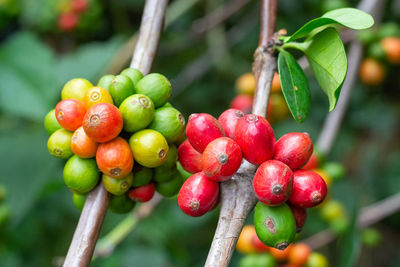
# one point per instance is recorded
(79, 6)
(149, 148)
(120, 88)
(316, 159)
(257, 260)
(141, 175)
(246, 84)
(221, 159)
(105, 81)
(276, 83)
(97, 95)
(372, 72)
(70, 113)
(76, 89)
(79, 201)
(228, 120)
(201, 129)
(156, 86)
(171, 187)
(50, 122)
(189, 157)
(134, 74)
(293, 149)
(169, 122)
(115, 158)
(335, 170)
(121, 204)
(102, 122)
(391, 46)
(300, 216)
(298, 254)
(273, 182)
(243, 103)
(317, 260)
(80, 175)
(59, 144)
(255, 137)
(142, 193)
(166, 171)
(275, 226)
(137, 112)
(280, 255)
(198, 195)
(309, 189)
(117, 187)
(82, 145)
(327, 178)
(245, 240)
(68, 21)
(257, 244)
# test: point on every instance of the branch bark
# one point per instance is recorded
(87, 232)
(237, 196)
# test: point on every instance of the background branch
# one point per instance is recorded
(87, 232)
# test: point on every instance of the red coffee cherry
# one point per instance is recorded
(102, 122)
(293, 149)
(255, 137)
(313, 162)
(115, 158)
(221, 159)
(201, 129)
(300, 216)
(189, 157)
(142, 193)
(68, 21)
(228, 120)
(198, 195)
(309, 189)
(70, 113)
(273, 182)
(79, 6)
(243, 103)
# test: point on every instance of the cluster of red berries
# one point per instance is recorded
(68, 20)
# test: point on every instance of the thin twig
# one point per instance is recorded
(237, 196)
(87, 232)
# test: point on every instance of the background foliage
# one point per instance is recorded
(35, 62)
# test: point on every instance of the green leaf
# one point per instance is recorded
(327, 57)
(350, 244)
(348, 17)
(294, 86)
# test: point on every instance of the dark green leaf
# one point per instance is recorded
(327, 57)
(348, 17)
(294, 86)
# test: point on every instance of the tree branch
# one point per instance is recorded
(87, 232)
(237, 196)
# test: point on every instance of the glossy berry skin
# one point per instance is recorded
(142, 193)
(300, 216)
(115, 158)
(201, 129)
(293, 149)
(82, 145)
(228, 120)
(243, 103)
(198, 195)
(272, 182)
(70, 113)
(309, 189)
(221, 159)
(189, 157)
(255, 137)
(102, 122)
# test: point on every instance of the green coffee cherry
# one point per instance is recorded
(121, 204)
(76, 89)
(317, 260)
(172, 157)
(376, 51)
(170, 188)
(134, 74)
(339, 225)
(167, 105)
(50, 122)
(257, 260)
(59, 144)
(333, 210)
(105, 81)
(335, 170)
(169, 122)
(166, 171)
(156, 86)
(275, 225)
(137, 111)
(81, 175)
(120, 88)
(117, 186)
(371, 237)
(141, 175)
(79, 200)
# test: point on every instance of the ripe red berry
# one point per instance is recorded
(300, 216)
(293, 149)
(201, 129)
(142, 193)
(115, 158)
(243, 103)
(198, 195)
(102, 122)
(313, 162)
(68, 21)
(221, 159)
(70, 113)
(228, 120)
(255, 137)
(309, 189)
(273, 182)
(189, 157)
(79, 6)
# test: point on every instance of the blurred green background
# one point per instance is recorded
(37, 57)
